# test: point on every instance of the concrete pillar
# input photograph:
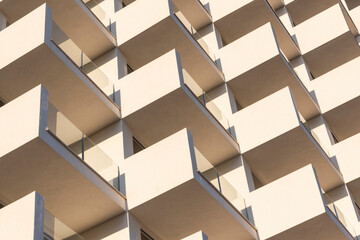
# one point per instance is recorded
(3, 21)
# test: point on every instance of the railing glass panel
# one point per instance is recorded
(82, 146)
(87, 66)
(206, 100)
(54, 229)
(339, 215)
(99, 12)
(218, 181)
(195, 34)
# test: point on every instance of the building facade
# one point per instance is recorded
(179, 119)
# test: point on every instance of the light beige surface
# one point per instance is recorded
(158, 32)
(275, 143)
(37, 161)
(194, 12)
(174, 191)
(346, 152)
(327, 40)
(260, 70)
(154, 115)
(338, 93)
(254, 13)
(41, 62)
(301, 10)
(23, 219)
(79, 23)
(295, 205)
(197, 236)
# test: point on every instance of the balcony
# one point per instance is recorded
(153, 113)
(45, 55)
(248, 16)
(163, 29)
(301, 10)
(275, 142)
(327, 40)
(347, 153)
(183, 183)
(88, 29)
(257, 53)
(298, 210)
(29, 215)
(40, 152)
(339, 98)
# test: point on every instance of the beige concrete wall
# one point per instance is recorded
(347, 153)
(23, 219)
(164, 71)
(219, 9)
(301, 69)
(266, 119)
(12, 44)
(320, 127)
(250, 50)
(14, 130)
(342, 198)
(333, 88)
(238, 173)
(321, 29)
(287, 202)
(112, 64)
(126, 31)
(224, 99)
(141, 189)
(212, 37)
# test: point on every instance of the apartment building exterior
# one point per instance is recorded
(179, 119)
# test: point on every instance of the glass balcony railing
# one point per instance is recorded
(195, 34)
(202, 2)
(87, 66)
(99, 12)
(205, 100)
(317, 139)
(82, 146)
(339, 215)
(218, 181)
(54, 229)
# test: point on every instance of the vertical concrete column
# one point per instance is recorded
(3, 21)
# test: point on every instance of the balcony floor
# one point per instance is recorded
(320, 227)
(289, 152)
(66, 183)
(76, 20)
(176, 111)
(252, 86)
(163, 37)
(186, 209)
(70, 90)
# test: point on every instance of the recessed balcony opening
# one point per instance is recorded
(339, 215)
(182, 182)
(220, 183)
(193, 31)
(82, 146)
(87, 66)
(54, 229)
(206, 101)
(99, 12)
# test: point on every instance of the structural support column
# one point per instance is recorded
(3, 21)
